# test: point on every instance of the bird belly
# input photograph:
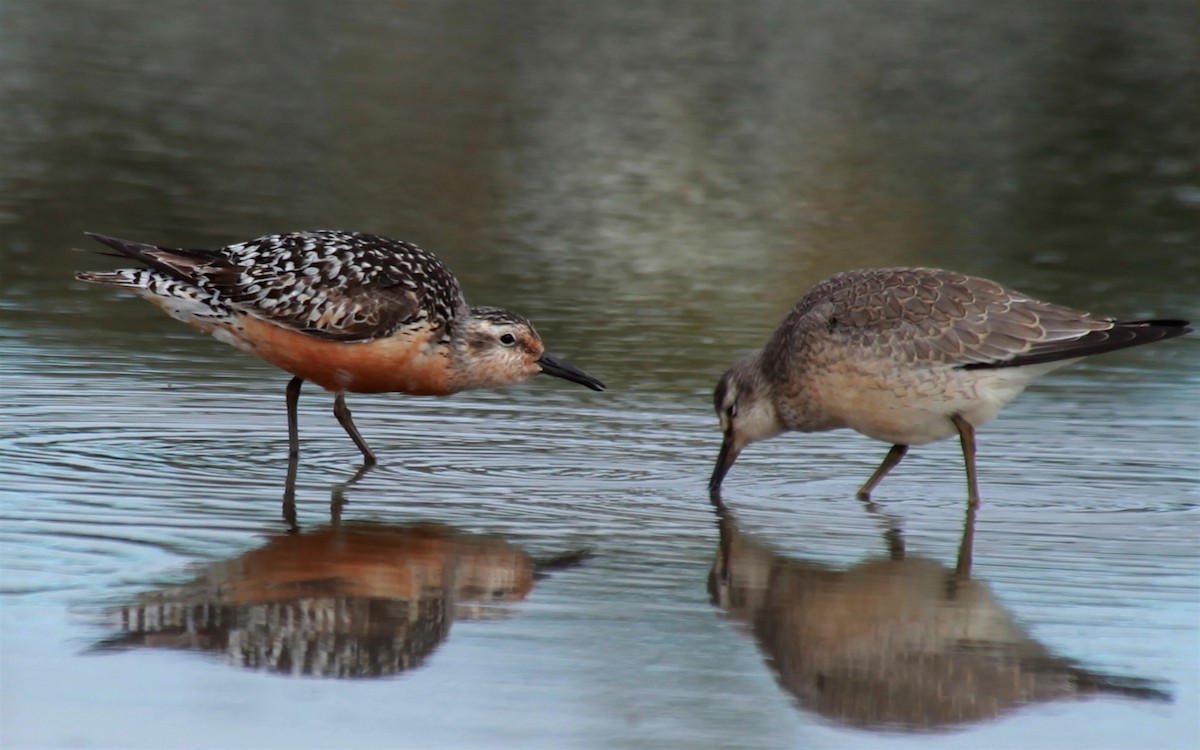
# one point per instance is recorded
(402, 363)
(915, 406)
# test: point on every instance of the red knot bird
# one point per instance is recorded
(350, 312)
(908, 356)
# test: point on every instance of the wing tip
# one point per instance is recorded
(1167, 326)
(1123, 334)
(127, 248)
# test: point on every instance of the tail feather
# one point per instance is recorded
(1130, 687)
(175, 262)
(1122, 335)
(130, 278)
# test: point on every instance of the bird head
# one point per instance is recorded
(498, 347)
(744, 404)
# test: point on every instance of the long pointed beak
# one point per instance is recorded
(559, 368)
(728, 454)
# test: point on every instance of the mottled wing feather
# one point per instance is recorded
(939, 317)
(338, 285)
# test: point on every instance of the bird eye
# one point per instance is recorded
(508, 339)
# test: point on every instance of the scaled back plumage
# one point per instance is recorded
(928, 316)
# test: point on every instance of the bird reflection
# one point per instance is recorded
(895, 642)
(346, 600)
(337, 499)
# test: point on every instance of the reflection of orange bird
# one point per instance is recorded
(362, 561)
(347, 601)
(348, 311)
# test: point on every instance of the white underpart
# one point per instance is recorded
(186, 303)
(919, 417)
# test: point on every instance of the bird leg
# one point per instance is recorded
(289, 497)
(966, 433)
(293, 398)
(889, 462)
(342, 412)
(967, 545)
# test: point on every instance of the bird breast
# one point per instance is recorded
(405, 362)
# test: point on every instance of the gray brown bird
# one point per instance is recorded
(907, 356)
(351, 312)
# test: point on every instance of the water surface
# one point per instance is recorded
(653, 184)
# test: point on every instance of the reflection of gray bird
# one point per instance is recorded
(909, 356)
(358, 600)
(892, 643)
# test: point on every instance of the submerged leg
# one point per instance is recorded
(889, 462)
(342, 413)
(966, 433)
(893, 535)
(293, 398)
(337, 494)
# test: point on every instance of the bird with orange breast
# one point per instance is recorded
(351, 312)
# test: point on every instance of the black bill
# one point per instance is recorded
(552, 365)
(725, 460)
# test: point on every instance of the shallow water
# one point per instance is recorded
(653, 184)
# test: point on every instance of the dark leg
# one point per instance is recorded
(343, 417)
(289, 497)
(967, 546)
(967, 434)
(889, 462)
(293, 398)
